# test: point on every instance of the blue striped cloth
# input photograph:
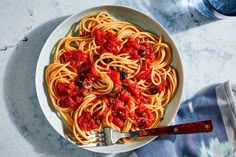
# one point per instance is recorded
(217, 103)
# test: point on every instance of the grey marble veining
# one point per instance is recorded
(207, 47)
(174, 15)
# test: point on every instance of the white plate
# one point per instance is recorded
(120, 13)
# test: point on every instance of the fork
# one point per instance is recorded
(109, 136)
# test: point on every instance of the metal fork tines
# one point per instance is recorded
(105, 137)
(112, 136)
(97, 138)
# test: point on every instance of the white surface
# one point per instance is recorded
(207, 48)
(120, 13)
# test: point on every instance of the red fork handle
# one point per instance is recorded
(187, 128)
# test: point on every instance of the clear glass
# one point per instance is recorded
(216, 8)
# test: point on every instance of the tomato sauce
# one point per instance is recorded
(118, 102)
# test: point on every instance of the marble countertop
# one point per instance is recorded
(207, 48)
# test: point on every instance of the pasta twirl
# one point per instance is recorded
(109, 73)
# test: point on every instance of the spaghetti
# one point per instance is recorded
(109, 73)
